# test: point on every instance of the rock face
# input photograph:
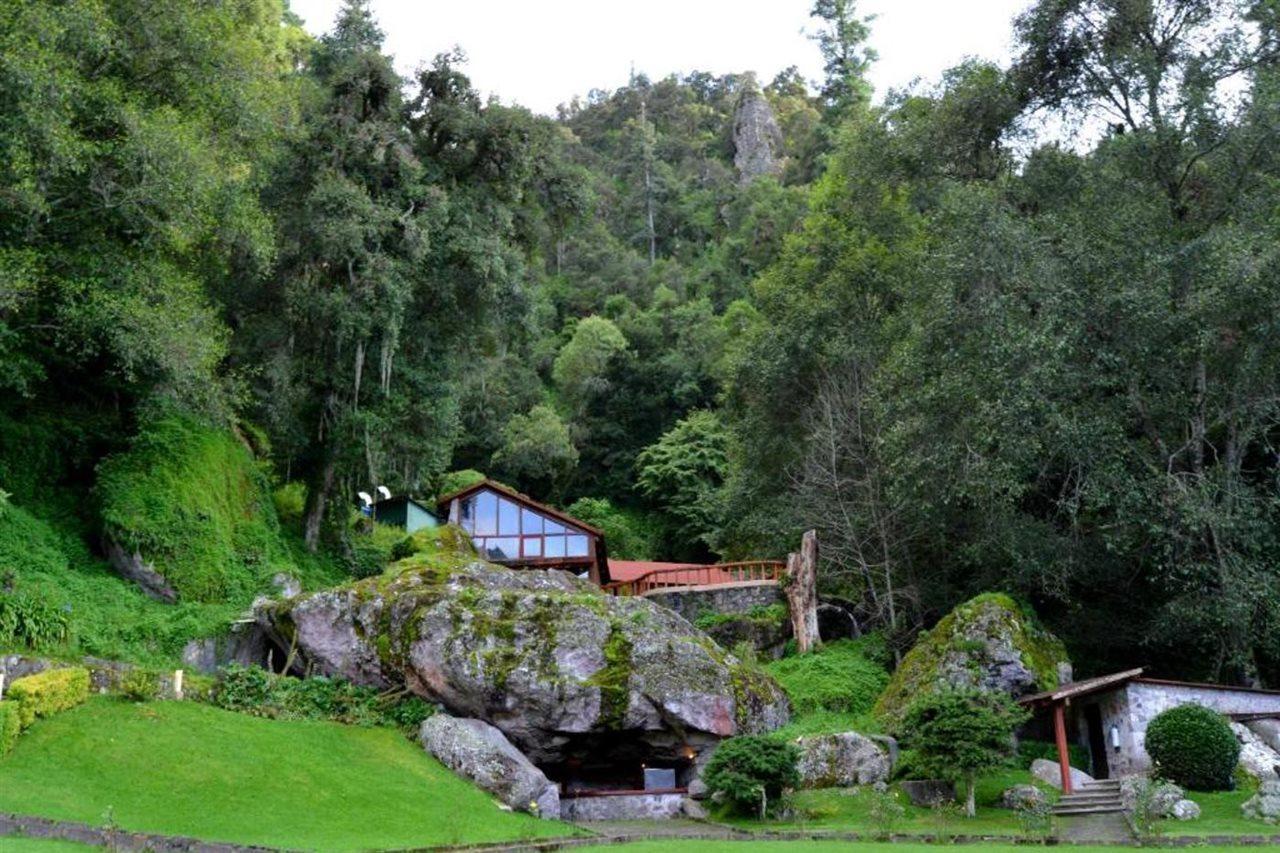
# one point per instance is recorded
(989, 642)
(1049, 772)
(568, 674)
(841, 761)
(1264, 805)
(1257, 758)
(757, 140)
(477, 751)
(132, 567)
(1022, 797)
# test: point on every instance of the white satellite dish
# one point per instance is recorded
(385, 492)
(365, 498)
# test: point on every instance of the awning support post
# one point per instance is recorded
(1060, 734)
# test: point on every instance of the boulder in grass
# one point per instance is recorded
(929, 792)
(1256, 758)
(567, 673)
(1184, 810)
(1162, 796)
(1264, 805)
(840, 761)
(477, 751)
(1022, 797)
(1050, 773)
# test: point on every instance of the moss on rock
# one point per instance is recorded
(991, 641)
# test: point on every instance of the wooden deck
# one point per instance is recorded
(718, 574)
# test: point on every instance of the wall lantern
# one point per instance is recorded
(1115, 738)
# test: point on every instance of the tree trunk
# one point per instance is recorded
(802, 593)
(969, 807)
(318, 501)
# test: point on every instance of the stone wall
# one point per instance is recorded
(1134, 706)
(692, 602)
(623, 807)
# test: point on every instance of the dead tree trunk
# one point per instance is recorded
(802, 593)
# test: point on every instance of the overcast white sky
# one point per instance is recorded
(541, 53)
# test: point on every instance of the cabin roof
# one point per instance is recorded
(443, 503)
(1081, 688)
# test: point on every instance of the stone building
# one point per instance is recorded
(1108, 716)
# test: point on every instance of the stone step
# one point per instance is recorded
(1102, 783)
(1087, 809)
(1089, 798)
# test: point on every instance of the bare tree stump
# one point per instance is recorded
(802, 592)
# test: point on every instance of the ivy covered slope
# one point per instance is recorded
(547, 658)
(192, 502)
(990, 641)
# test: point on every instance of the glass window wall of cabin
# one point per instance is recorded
(505, 531)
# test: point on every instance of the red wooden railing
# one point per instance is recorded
(713, 575)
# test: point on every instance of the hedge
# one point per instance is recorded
(9, 726)
(49, 692)
(1194, 747)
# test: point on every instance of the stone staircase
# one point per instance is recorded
(1097, 797)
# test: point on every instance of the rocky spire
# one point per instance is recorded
(757, 141)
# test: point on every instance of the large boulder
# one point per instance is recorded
(841, 761)
(1022, 797)
(1264, 805)
(1256, 758)
(568, 674)
(477, 751)
(1268, 731)
(1051, 773)
(989, 642)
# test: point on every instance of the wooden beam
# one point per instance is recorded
(1060, 735)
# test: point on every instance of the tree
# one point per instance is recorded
(961, 734)
(841, 40)
(580, 370)
(537, 451)
(683, 474)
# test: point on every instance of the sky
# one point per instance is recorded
(541, 53)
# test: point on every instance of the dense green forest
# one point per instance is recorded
(1015, 328)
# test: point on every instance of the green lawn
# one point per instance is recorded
(1219, 815)
(826, 847)
(181, 768)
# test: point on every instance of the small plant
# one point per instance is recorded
(752, 772)
(139, 685)
(253, 690)
(1035, 817)
(1194, 747)
(884, 812)
(943, 815)
(1147, 820)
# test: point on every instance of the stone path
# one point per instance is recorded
(1112, 827)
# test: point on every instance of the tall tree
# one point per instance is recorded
(842, 37)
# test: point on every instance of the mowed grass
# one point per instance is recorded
(181, 768)
(687, 846)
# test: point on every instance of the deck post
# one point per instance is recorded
(1060, 735)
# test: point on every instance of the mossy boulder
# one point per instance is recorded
(990, 642)
(564, 671)
(187, 514)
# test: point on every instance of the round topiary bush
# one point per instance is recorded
(752, 772)
(1194, 747)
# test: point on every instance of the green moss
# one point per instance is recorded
(837, 678)
(614, 678)
(1040, 650)
(193, 500)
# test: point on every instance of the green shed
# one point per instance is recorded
(404, 512)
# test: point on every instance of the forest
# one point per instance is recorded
(1016, 328)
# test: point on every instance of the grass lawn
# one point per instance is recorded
(849, 810)
(1219, 815)
(826, 847)
(181, 768)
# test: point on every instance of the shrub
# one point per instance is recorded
(960, 734)
(752, 772)
(838, 677)
(10, 726)
(290, 501)
(48, 692)
(31, 620)
(1030, 750)
(253, 690)
(139, 685)
(1194, 747)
